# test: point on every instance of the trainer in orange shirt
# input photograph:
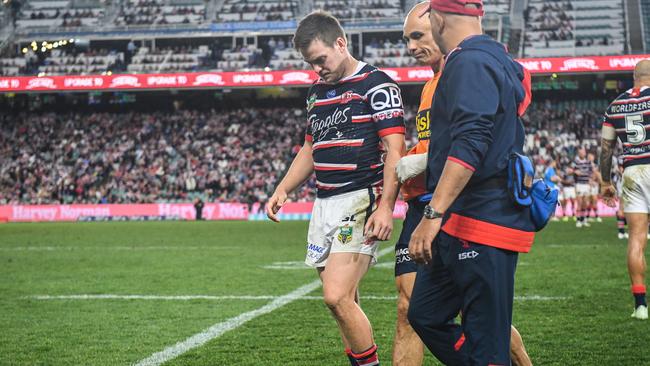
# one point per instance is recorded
(408, 349)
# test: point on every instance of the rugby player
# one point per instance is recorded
(584, 170)
(408, 349)
(551, 178)
(628, 118)
(568, 192)
(594, 191)
(355, 115)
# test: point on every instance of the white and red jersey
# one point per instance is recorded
(346, 123)
(629, 114)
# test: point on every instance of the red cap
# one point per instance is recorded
(456, 7)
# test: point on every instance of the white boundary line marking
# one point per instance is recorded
(242, 297)
(218, 329)
(158, 247)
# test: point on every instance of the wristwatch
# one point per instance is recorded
(432, 214)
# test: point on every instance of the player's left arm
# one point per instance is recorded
(385, 102)
(607, 146)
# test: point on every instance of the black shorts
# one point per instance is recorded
(403, 262)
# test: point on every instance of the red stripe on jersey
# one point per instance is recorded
(337, 143)
(392, 130)
(330, 168)
(326, 188)
(309, 138)
(607, 124)
(361, 120)
(327, 102)
(627, 144)
(642, 156)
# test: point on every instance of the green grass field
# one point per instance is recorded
(573, 301)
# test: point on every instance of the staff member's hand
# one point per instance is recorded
(420, 246)
(608, 192)
(380, 224)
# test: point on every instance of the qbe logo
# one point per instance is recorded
(386, 98)
(467, 255)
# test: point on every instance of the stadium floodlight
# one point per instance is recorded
(25, 50)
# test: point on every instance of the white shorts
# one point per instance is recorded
(636, 189)
(569, 193)
(583, 190)
(595, 190)
(336, 226)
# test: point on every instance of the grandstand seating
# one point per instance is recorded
(13, 66)
(645, 19)
(58, 13)
(147, 12)
(218, 155)
(257, 10)
(60, 62)
(387, 54)
(574, 28)
(170, 59)
(361, 9)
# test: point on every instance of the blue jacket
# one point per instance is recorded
(476, 109)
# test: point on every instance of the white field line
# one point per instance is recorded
(242, 297)
(218, 329)
(68, 248)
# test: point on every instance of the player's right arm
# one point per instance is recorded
(608, 144)
(300, 169)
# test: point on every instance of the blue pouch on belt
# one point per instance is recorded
(527, 192)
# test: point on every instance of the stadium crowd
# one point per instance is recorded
(215, 156)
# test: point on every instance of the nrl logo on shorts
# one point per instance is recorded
(345, 234)
(310, 102)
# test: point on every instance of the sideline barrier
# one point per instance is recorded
(284, 78)
(181, 211)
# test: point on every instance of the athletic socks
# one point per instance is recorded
(620, 223)
(353, 362)
(639, 295)
(367, 357)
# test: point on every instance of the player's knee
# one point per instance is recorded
(336, 299)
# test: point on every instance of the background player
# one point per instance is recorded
(552, 179)
(594, 191)
(568, 192)
(352, 108)
(584, 171)
(628, 118)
